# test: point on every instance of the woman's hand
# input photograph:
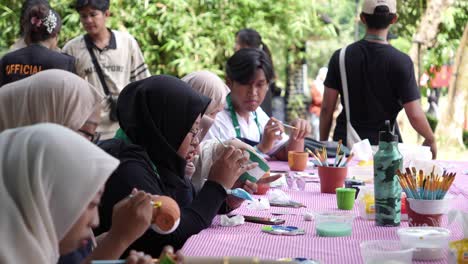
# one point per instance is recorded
(234, 202)
(273, 131)
(131, 217)
(138, 258)
(230, 164)
(168, 253)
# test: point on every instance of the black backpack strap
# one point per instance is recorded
(89, 46)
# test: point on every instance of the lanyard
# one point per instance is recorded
(235, 121)
(120, 134)
(374, 37)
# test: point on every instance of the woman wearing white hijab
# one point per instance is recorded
(45, 189)
(53, 96)
(198, 166)
(210, 85)
(57, 96)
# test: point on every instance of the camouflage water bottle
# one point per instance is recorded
(386, 186)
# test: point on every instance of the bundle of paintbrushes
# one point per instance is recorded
(321, 157)
(416, 185)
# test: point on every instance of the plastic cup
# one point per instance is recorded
(297, 161)
(331, 178)
(345, 198)
(334, 224)
(426, 212)
(430, 243)
(385, 251)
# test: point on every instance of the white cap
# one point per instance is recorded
(369, 6)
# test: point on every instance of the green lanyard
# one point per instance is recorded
(120, 134)
(235, 121)
(374, 37)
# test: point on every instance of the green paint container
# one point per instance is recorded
(345, 198)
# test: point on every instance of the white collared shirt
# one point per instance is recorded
(223, 128)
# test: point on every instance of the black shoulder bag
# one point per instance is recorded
(110, 99)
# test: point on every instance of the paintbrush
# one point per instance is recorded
(348, 159)
(314, 156)
(319, 155)
(284, 124)
(221, 142)
(340, 160)
(155, 204)
(337, 155)
(325, 155)
(289, 126)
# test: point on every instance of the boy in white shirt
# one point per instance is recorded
(249, 72)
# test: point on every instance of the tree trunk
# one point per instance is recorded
(454, 114)
(425, 35)
(428, 28)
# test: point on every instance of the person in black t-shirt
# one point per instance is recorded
(381, 82)
(20, 43)
(41, 28)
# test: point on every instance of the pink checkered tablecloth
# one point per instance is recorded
(249, 240)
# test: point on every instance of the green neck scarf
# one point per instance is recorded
(120, 134)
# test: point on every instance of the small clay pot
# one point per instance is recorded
(297, 161)
(262, 188)
(331, 178)
(166, 215)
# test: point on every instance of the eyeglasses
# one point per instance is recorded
(91, 137)
(195, 133)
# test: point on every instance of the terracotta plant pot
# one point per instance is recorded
(297, 161)
(263, 188)
(331, 178)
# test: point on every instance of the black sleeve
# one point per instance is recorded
(405, 80)
(72, 67)
(333, 79)
(194, 218)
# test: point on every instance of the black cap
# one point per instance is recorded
(387, 135)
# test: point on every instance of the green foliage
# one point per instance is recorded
(432, 121)
(402, 44)
(409, 15)
(180, 36)
(450, 32)
(465, 138)
(322, 44)
(295, 107)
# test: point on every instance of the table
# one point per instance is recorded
(248, 240)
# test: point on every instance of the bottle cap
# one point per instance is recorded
(387, 135)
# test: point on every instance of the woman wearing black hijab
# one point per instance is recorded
(159, 119)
